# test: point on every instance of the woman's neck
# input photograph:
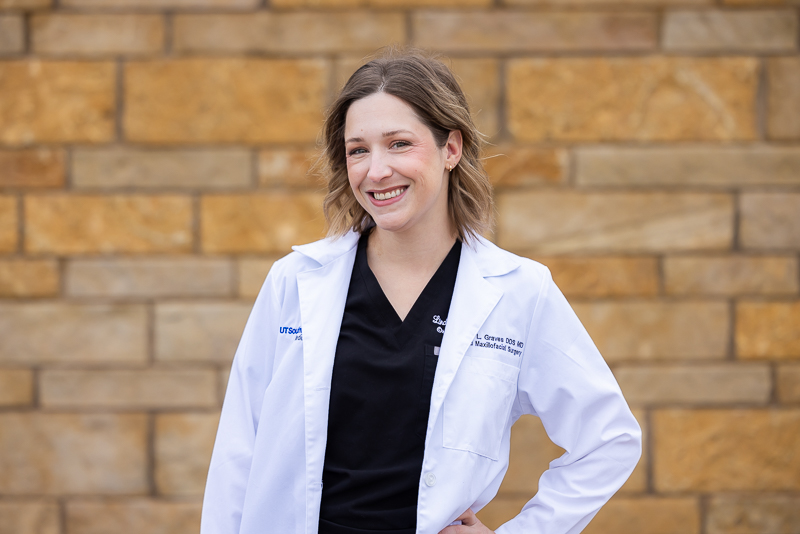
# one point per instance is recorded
(421, 250)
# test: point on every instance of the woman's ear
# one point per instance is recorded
(453, 148)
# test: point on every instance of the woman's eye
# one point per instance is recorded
(356, 151)
(400, 144)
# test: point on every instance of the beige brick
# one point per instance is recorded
(753, 514)
(551, 222)
(56, 101)
(128, 389)
(501, 509)
(524, 166)
(224, 100)
(150, 277)
(760, 3)
(8, 223)
(12, 34)
(59, 34)
(603, 276)
(688, 166)
(260, 223)
(606, 3)
(137, 515)
(163, 4)
(654, 515)
(39, 167)
(207, 332)
(251, 275)
(183, 443)
(25, 4)
(76, 224)
(73, 454)
(695, 384)
(35, 333)
(520, 31)
(726, 450)
(288, 167)
(788, 383)
(726, 31)
(770, 220)
(480, 81)
(637, 482)
(29, 517)
(652, 330)
(403, 4)
(220, 168)
(783, 98)
(28, 278)
(295, 32)
(731, 275)
(531, 454)
(768, 330)
(642, 99)
(16, 389)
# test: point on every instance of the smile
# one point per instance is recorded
(389, 194)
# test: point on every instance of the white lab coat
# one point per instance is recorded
(533, 357)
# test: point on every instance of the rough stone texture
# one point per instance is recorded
(56, 101)
(96, 35)
(259, 223)
(201, 332)
(768, 330)
(29, 517)
(12, 34)
(39, 167)
(25, 4)
(301, 32)
(726, 31)
(135, 515)
(601, 276)
(654, 515)
(75, 224)
(183, 443)
(251, 275)
(548, 222)
(700, 166)
(150, 277)
(8, 223)
(403, 4)
(726, 450)
(523, 166)
(163, 4)
(519, 31)
(656, 330)
(164, 169)
(28, 278)
(695, 384)
(642, 99)
(770, 220)
(731, 275)
(783, 98)
(72, 454)
(788, 383)
(480, 81)
(53, 332)
(288, 167)
(531, 454)
(224, 100)
(753, 514)
(605, 3)
(16, 389)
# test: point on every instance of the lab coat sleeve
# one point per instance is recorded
(566, 382)
(233, 449)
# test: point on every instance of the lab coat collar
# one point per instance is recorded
(326, 250)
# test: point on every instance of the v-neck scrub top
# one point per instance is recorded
(380, 397)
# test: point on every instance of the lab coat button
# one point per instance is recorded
(430, 479)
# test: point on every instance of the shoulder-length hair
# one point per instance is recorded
(429, 87)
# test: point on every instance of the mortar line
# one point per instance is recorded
(503, 134)
(409, 33)
(731, 348)
(151, 454)
(169, 33)
(62, 515)
(20, 248)
(703, 513)
(648, 448)
(150, 313)
(26, 33)
(196, 223)
(119, 96)
(737, 219)
(762, 88)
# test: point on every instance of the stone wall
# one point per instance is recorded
(153, 158)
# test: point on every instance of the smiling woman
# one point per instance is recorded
(415, 344)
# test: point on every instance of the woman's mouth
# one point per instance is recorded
(388, 194)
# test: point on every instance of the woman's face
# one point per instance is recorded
(396, 171)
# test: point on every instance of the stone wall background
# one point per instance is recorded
(153, 158)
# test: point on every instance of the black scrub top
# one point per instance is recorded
(380, 397)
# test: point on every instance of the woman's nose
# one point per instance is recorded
(378, 168)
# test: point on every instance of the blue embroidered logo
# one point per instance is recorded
(296, 332)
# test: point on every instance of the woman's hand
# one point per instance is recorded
(470, 524)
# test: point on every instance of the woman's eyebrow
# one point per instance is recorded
(384, 134)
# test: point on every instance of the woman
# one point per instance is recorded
(381, 369)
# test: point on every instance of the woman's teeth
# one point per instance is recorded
(390, 194)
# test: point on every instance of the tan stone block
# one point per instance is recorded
(403, 4)
(47, 332)
(39, 167)
(758, 2)
(783, 98)
(695, 384)
(788, 383)
(12, 34)
(73, 454)
(524, 166)
(653, 330)
(768, 330)
(134, 515)
(480, 81)
(251, 275)
(56, 101)
(203, 332)
(59, 34)
(28, 278)
(726, 450)
(150, 277)
(501, 509)
(77, 224)
(163, 4)
(16, 389)
(243, 100)
(642, 99)
(260, 223)
(637, 482)
(557, 222)
(770, 220)
(688, 166)
(531, 454)
(731, 275)
(183, 444)
(726, 31)
(603, 276)
(606, 3)
(25, 4)
(654, 515)
(29, 517)
(295, 32)
(8, 223)
(288, 167)
(753, 514)
(219, 168)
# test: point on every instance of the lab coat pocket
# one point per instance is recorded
(477, 406)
